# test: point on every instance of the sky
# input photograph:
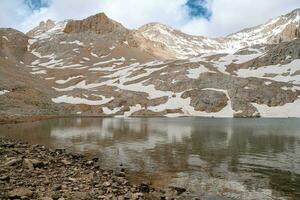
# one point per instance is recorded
(211, 18)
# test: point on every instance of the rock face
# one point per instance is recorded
(206, 100)
(13, 44)
(97, 67)
(290, 27)
(99, 24)
(42, 28)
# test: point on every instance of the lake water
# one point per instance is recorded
(212, 158)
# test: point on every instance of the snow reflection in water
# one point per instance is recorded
(235, 158)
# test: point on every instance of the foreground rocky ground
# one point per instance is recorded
(36, 172)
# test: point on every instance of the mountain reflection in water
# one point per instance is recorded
(251, 156)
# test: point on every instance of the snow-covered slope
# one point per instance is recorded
(280, 29)
(283, 28)
(95, 66)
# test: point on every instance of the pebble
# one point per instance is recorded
(20, 192)
(106, 184)
(13, 162)
(44, 174)
(4, 178)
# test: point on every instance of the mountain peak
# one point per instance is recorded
(294, 15)
(156, 25)
(101, 14)
(47, 23)
(296, 11)
(98, 23)
(42, 27)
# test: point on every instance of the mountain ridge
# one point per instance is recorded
(174, 40)
(96, 66)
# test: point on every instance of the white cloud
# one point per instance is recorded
(131, 13)
(233, 15)
(12, 12)
(227, 15)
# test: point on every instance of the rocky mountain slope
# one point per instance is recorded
(283, 28)
(96, 66)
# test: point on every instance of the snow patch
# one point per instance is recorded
(4, 37)
(39, 72)
(2, 92)
(108, 111)
(79, 43)
(78, 100)
(68, 79)
(195, 72)
(287, 110)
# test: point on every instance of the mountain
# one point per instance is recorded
(280, 29)
(96, 66)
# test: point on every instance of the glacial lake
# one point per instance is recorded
(212, 158)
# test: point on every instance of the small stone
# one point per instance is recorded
(179, 190)
(5, 178)
(47, 182)
(12, 162)
(66, 162)
(127, 195)
(60, 150)
(56, 187)
(37, 164)
(20, 192)
(105, 173)
(76, 156)
(137, 195)
(8, 145)
(80, 195)
(72, 179)
(121, 174)
(90, 162)
(33, 163)
(56, 196)
(144, 188)
(46, 198)
(106, 184)
(28, 164)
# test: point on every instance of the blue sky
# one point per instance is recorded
(198, 8)
(199, 17)
(37, 4)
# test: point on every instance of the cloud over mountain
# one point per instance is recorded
(201, 17)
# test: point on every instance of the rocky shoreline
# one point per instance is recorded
(37, 172)
(24, 118)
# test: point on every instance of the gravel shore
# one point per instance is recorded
(36, 172)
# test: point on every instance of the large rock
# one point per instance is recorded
(206, 100)
(99, 23)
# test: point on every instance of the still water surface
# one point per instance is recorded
(232, 158)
